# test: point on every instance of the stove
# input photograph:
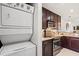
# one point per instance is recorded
(56, 45)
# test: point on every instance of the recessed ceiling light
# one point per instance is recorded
(71, 10)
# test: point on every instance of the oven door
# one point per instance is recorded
(56, 44)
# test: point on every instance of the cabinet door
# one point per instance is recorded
(53, 19)
(44, 18)
(52, 16)
(15, 17)
(48, 15)
(56, 21)
(59, 22)
(47, 48)
(75, 44)
(68, 42)
(63, 42)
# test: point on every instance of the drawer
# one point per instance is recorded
(48, 41)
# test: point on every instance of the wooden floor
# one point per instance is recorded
(67, 52)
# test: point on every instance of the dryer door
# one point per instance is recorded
(14, 17)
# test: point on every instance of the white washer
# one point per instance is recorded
(19, 49)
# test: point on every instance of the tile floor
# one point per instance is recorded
(67, 52)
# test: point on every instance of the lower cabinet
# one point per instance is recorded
(75, 44)
(70, 43)
(65, 42)
(47, 48)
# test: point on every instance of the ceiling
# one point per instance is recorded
(64, 9)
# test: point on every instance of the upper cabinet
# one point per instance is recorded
(44, 18)
(48, 15)
(59, 22)
(52, 16)
(50, 19)
(56, 21)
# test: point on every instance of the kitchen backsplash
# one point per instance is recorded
(51, 33)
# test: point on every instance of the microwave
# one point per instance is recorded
(50, 24)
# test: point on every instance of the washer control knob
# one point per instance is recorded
(22, 5)
(17, 4)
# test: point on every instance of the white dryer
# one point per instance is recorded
(19, 49)
(16, 22)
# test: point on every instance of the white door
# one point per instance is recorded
(14, 17)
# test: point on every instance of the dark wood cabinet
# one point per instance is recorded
(75, 44)
(59, 22)
(65, 42)
(47, 48)
(44, 18)
(51, 47)
(56, 21)
(70, 43)
(50, 17)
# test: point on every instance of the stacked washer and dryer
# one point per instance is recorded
(16, 16)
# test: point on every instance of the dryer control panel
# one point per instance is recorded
(21, 6)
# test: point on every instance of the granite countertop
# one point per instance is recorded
(49, 38)
(72, 36)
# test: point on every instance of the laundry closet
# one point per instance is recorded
(16, 29)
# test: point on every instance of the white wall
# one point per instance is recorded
(37, 37)
(74, 22)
